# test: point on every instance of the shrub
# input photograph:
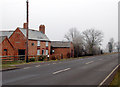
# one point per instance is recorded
(68, 55)
(32, 59)
(41, 58)
(53, 58)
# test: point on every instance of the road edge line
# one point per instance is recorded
(109, 75)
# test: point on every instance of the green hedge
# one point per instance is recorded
(32, 59)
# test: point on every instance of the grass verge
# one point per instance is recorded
(116, 80)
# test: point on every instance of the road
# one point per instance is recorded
(87, 71)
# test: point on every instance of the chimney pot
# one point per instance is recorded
(42, 28)
(25, 25)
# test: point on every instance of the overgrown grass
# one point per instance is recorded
(6, 65)
(116, 80)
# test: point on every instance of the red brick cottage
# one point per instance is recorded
(60, 49)
(38, 42)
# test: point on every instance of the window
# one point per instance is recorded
(42, 52)
(32, 44)
(38, 43)
(46, 52)
(53, 51)
(38, 52)
(46, 44)
(5, 49)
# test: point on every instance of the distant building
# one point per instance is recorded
(60, 49)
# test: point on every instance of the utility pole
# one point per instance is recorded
(27, 31)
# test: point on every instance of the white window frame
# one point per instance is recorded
(38, 43)
(38, 52)
(46, 52)
(46, 44)
(53, 51)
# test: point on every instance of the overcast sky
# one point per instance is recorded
(60, 15)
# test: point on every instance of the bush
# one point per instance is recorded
(32, 59)
(53, 58)
(68, 55)
(42, 58)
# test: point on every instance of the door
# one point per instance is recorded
(21, 53)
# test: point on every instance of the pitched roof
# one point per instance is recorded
(60, 44)
(6, 33)
(2, 38)
(34, 34)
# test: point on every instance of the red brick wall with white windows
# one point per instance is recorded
(44, 47)
(18, 41)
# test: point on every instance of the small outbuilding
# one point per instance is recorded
(61, 49)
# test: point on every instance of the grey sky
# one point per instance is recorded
(60, 15)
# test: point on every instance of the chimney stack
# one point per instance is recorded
(42, 28)
(25, 25)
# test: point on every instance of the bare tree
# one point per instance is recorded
(92, 40)
(74, 36)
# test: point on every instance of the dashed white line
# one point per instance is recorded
(48, 64)
(89, 62)
(37, 66)
(61, 71)
(26, 68)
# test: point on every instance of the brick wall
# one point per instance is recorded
(32, 47)
(18, 40)
(63, 52)
(6, 45)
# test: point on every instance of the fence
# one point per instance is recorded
(22, 58)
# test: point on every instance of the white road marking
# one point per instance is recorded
(54, 63)
(26, 68)
(108, 76)
(100, 59)
(89, 62)
(48, 64)
(37, 66)
(61, 71)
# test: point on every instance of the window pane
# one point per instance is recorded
(46, 52)
(46, 44)
(42, 52)
(38, 43)
(38, 52)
